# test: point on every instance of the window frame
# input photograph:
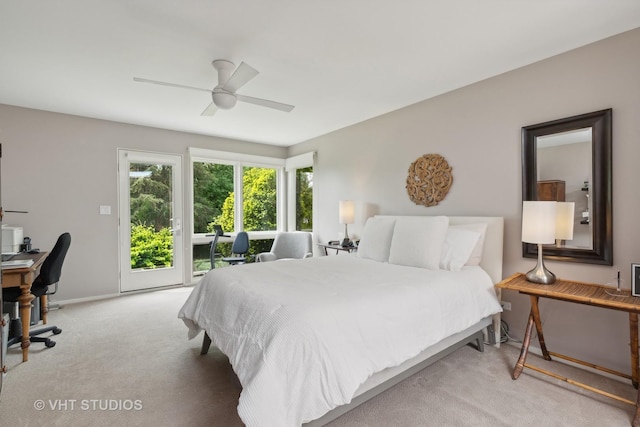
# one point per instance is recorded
(285, 192)
(239, 162)
(291, 165)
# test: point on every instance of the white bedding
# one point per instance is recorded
(302, 335)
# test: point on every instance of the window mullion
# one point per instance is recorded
(238, 197)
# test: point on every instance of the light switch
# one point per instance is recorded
(105, 210)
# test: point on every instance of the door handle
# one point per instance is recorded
(177, 225)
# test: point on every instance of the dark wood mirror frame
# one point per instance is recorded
(601, 214)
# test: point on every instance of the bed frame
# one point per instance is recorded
(474, 335)
(386, 379)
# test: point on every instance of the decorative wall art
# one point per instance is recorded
(429, 180)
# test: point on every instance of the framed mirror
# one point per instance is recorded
(570, 160)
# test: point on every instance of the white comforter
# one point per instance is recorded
(302, 335)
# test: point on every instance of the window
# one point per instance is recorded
(304, 199)
(238, 192)
(150, 215)
(300, 192)
(245, 192)
(212, 190)
(259, 199)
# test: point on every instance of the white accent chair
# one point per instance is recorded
(289, 245)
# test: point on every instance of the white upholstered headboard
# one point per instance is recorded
(493, 242)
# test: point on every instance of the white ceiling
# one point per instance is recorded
(338, 61)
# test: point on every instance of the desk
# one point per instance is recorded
(337, 248)
(580, 293)
(24, 277)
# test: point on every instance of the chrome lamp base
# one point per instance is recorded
(540, 274)
(346, 241)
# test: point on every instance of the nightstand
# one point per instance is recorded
(337, 248)
(580, 293)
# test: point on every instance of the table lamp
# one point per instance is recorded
(564, 222)
(347, 215)
(542, 223)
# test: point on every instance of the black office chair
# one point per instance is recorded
(239, 249)
(50, 273)
(213, 255)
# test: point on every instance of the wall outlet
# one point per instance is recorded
(506, 305)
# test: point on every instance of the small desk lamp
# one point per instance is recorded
(347, 215)
(542, 223)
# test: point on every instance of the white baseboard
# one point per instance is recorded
(121, 294)
(86, 299)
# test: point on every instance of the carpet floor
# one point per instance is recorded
(127, 361)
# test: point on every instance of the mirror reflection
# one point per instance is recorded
(564, 175)
(569, 159)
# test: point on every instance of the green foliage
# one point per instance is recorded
(259, 199)
(151, 213)
(148, 209)
(226, 217)
(150, 248)
(212, 184)
(258, 202)
(304, 198)
(151, 196)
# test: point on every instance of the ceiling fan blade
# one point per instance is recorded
(265, 103)
(156, 82)
(210, 110)
(240, 77)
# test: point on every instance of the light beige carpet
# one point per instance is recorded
(127, 361)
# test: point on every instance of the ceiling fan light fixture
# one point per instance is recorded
(224, 100)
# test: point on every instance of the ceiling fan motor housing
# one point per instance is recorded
(224, 100)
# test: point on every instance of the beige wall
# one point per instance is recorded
(477, 129)
(61, 168)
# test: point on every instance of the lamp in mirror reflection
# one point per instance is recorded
(546, 223)
(346, 213)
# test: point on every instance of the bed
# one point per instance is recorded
(310, 339)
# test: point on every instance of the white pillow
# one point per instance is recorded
(476, 254)
(457, 248)
(376, 239)
(417, 242)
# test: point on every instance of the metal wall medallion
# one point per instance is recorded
(429, 180)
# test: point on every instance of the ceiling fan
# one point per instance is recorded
(224, 95)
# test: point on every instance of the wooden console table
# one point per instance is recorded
(581, 293)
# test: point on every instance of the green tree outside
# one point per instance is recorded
(304, 199)
(150, 195)
(150, 216)
(258, 202)
(213, 203)
(212, 184)
(151, 248)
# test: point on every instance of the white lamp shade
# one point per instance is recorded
(347, 211)
(539, 222)
(564, 220)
